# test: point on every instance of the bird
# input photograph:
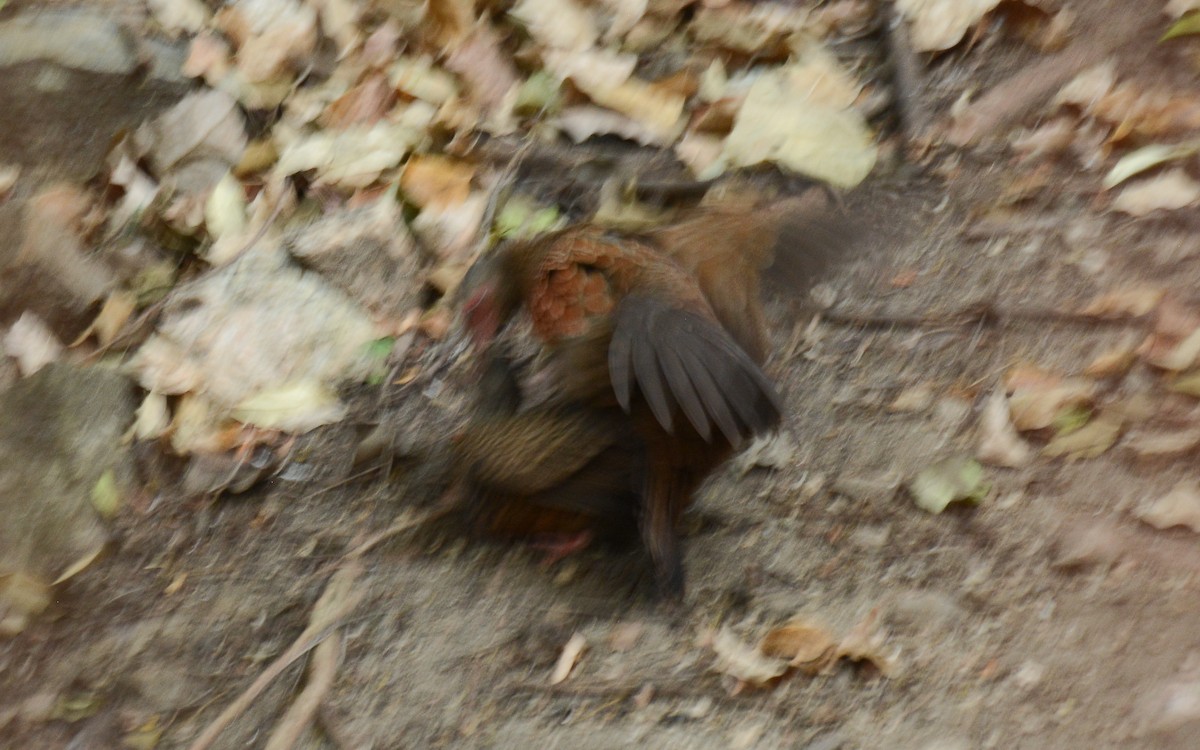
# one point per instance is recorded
(659, 333)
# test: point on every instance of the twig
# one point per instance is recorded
(978, 316)
(401, 524)
(321, 670)
(337, 601)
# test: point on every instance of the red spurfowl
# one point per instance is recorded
(665, 325)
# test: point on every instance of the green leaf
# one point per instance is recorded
(955, 479)
(1189, 24)
(106, 497)
(381, 348)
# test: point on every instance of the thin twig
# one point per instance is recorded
(337, 601)
(321, 670)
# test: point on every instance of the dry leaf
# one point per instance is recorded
(941, 24)
(9, 174)
(568, 658)
(274, 37)
(561, 24)
(1134, 301)
(865, 643)
(111, 319)
(1168, 191)
(1034, 404)
(999, 443)
(436, 181)
(356, 156)
(806, 128)
(806, 645)
(153, 417)
(1152, 445)
(176, 16)
(1089, 441)
(22, 597)
(1179, 507)
(31, 342)
(364, 104)
(292, 407)
(743, 662)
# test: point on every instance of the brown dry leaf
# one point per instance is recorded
(449, 230)
(436, 181)
(1089, 86)
(209, 57)
(339, 21)
(1170, 190)
(999, 443)
(1187, 383)
(1179, 507)
(1133, 301)
(700, 152)
(569, 657)
(941, 24)
(1037, 397)
(1089, 441)
(806, 645)
(743, 662)
(448, 21)
(1051, 138)
(913, 399)
(364, 104)
(31, 342)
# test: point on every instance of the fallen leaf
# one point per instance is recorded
(1034, 405)
(770, 451)
(436, 181)
(1088, 441)
(31, 342)
(569, 657)
(941, 24)
(153, 417)
(177, 16)
(1187, 383)
(1147, 157)
(273, 37)
(562, 24)
(913, 399)
(357, 156)
(1179, 507)
(521, 217)
(954, 479)
(291, 407)
(999, 443)
(743, 662)
(22, 597)
(1133, 301)
(1164, 444)
(790, 120)
(9, 174)
(806, 645)
(865, 644)
(1168, 191)
(1113, 362)
(1089, 86)
(1186, 26)
(117, 309)
(365, 103)
(106, 496)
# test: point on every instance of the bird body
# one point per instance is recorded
(666, 327)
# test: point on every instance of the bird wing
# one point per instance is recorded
(681, 359)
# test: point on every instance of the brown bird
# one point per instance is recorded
(666, 325)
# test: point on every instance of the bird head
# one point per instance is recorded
(489, 297)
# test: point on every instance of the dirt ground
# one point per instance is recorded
(1046, 617)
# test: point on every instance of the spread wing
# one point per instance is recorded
(680, 360)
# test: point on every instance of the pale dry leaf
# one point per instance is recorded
(1175, 342)
(9, 174)
(561, 24)
(1164, 444)
(355, 157)
(81, 564)
(449, 230)
(1113, 362)
(1089, 441)
(1179, 507)
(22, 597)
(1169, 191)
(625, 15)
(1089, 86)
(745, 663)
(585, 121)
(339, 21)
(153, 417)
(780, 122)
(865, 643)
(273, 37)
(569, 657)
(761, 28)
(701, 153)
(295, 407)
(1034, 405)
(1054, 137)
(198, 426)
(913, 399)
(490, 76)
(1134, 301)
(32, 344)
(941, 24)
(421, 79)
(209, 57)
(1177, 8)
(999, 443)
(225, 209)
(957, 479)
(204, 126)
(177, 16)
(1147, 157)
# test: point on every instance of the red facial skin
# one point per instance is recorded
(482, 317)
